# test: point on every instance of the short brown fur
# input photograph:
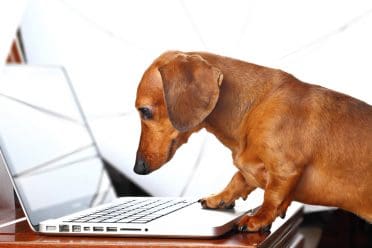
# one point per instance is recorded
(297, 141)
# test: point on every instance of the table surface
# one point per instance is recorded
(19, 234)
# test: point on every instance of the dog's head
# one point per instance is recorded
(176, 93)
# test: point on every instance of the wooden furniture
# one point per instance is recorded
(20, 235)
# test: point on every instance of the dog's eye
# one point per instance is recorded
(146, 113)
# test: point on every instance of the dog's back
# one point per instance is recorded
(332, 134)
(329, 132)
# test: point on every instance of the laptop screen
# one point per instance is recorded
(46, 145)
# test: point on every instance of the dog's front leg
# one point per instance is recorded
(237, 187)
(277, 197)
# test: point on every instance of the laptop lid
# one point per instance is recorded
(46, 146)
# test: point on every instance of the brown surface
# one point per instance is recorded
(7, 215)
(20, 235)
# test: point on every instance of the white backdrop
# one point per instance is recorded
(10, 15)
(106, 45)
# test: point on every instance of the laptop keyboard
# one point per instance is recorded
(137, 211)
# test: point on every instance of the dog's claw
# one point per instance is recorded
(232, 205)
(242, 228)
(283, 215)
(221, 204)
(203, 203)
(265, 229)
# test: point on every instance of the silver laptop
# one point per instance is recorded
(58, 175)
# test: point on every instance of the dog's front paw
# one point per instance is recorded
(216, 201)
(259, 221)
(253, 224)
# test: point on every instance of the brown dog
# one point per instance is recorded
(295, 140)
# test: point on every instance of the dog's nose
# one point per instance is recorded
(141, 167)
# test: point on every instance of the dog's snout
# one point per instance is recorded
(141, 167)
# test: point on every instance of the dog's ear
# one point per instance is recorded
(191, 90)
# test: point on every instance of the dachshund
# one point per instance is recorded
(296, 141)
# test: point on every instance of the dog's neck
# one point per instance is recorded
(239, 93)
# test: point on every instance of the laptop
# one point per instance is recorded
(58, 175)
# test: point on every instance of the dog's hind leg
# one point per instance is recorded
(237, 187)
